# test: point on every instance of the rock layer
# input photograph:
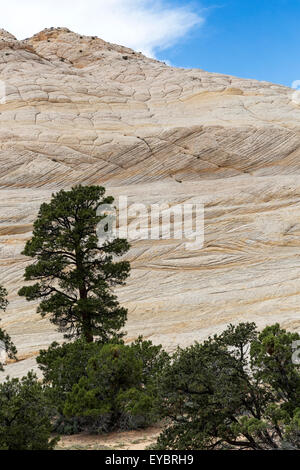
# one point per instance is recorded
(79, 110)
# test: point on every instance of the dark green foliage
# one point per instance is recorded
(221, 395)
(63, 366)
(153, 359)
(3, 298)
(102, 387)
(271, 357)
(25, 415)
(74, 273)
(5, 339)
(103, 392)
(292, 435)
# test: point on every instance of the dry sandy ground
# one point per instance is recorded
(129, 440)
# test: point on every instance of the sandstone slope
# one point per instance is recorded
(80, 110)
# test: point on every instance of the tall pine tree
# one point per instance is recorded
(76, 274)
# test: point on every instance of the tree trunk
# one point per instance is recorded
(86, 322)
(88, 336)
(87, 328)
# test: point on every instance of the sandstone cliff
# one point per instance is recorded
(80, 110)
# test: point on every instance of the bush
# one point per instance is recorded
(63, 366)
(99, 388)
(238, 390)
(25, 415)
(291, 439)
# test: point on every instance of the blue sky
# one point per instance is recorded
(248, 38)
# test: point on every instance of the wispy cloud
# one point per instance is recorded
(144, 25)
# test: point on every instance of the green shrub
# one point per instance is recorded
(63, 366)
(99, 388)
(25, 415)
(238, 390)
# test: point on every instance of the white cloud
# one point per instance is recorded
(144, 25)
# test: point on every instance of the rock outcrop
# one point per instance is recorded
(79, 110)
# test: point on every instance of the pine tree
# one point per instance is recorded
(75, 273)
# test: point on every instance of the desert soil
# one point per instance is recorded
(128, 440)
